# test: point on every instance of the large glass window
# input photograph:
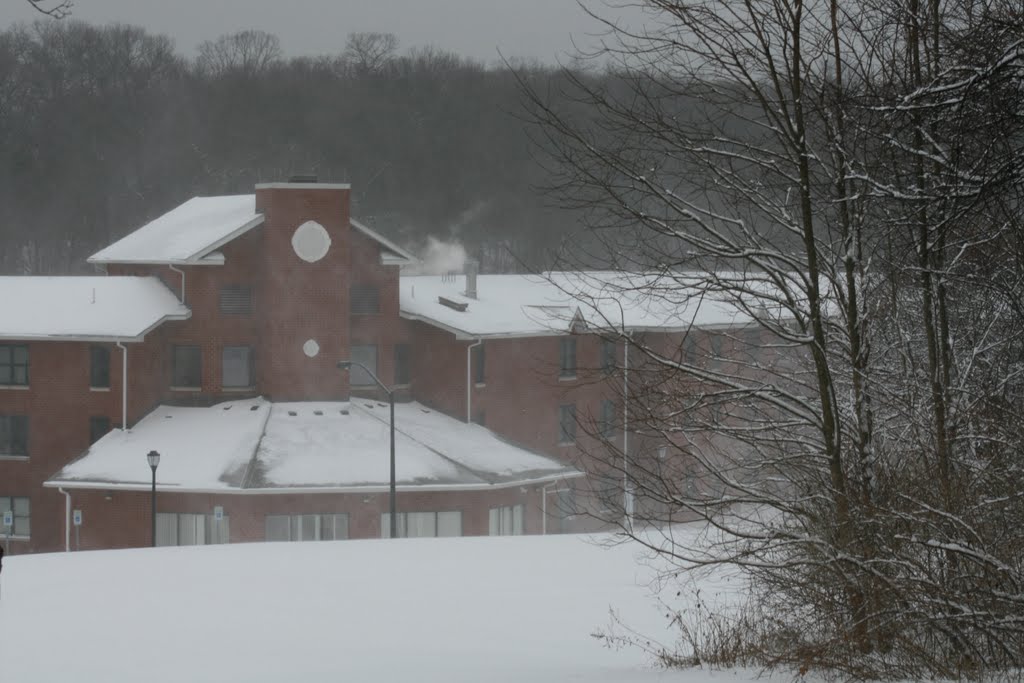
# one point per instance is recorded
(13, 365)
(506, 521)
(403, 369)
(567, 357)
(21, 507)
(567, 423)
(330, 527)
(423, 524)
(236, 367)
(188, 367)
(99, 367)
(367, 355)
(174, 528)
(14, 435)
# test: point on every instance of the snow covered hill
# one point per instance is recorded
(459, 609)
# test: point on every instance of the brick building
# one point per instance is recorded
(214, 338)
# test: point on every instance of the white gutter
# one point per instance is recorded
(182, 273)
(67, 520)
(124, 386)
(627, 498)
(469, 379)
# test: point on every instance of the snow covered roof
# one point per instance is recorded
(186, 234)
(559, 302)
(190, 234)
(84, 308)
(254, 446)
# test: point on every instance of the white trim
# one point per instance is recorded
(284, 490)
(100, 389)
(14, 458)
(383, 240)
(202, 253)
(303, 186)
(15, 387)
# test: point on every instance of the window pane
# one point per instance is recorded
(420, 524)
(5, 355)
(21, 355)
(166, 528)
(340, 526)
(567, 424)
(568, 357)
(99, 367)
(367, 355)
(449, 523)
(5, 504)
(277, 527)
(21, 527)
(6, 374)
(517, 520)
(308, 527)
(187, 366)
(403, 374)
(220, 531)
(494, 522)
(236, 366)
(21, 507)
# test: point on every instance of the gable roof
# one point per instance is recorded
(254, 446)
(86, 308)
(190, 233)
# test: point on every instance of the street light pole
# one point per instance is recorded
(347, 365)
(153, 458)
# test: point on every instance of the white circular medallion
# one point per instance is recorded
(311, 242)
(311, 348)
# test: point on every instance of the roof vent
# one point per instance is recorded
(455, 305)
(303, 178)
(472, 268)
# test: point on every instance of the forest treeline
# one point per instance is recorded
(106, 127)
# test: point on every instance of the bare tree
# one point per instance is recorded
(825, 170)
(369, 52)
(57, 10)
(247, 53)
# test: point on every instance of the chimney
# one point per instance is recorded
(471, 270)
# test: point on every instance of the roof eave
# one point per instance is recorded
(384, 241)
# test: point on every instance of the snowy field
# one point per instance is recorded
(462, 609)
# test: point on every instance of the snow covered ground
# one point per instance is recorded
(461, 609)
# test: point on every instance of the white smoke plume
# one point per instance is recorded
(438, 258)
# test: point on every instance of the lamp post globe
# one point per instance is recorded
(153, 458)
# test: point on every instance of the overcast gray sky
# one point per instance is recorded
(472, 28)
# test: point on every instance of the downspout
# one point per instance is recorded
(469, 379)
(124, 386)
(67, 520)
(627, 498)
(182, 273)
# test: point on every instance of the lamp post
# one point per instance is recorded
(154, 461)
(347, 365)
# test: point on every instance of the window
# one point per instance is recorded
(608, 355)
(14, 365)
(506, 521)
(364, 300)
(236, 300)
(367, 355)
(236, 367)
(607, 427)
(716, 346)
(567, 357)
(567, 423)
(21, 508)
(690, 350)
(423, 524)
(99, 367)
(330, 527)
(98, 428)
(479, 364)
(14, 435)
(188, 367)
(190, 529)
(403, 373)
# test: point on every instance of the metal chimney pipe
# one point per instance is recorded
(472, 268)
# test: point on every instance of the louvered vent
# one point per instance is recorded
(236, 300)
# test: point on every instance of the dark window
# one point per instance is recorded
(567, 423)
(21, 507)
(608, 355)
(13, 365)
(716, 346)
(236, 300)
(188, 367)
(99, 367)
(13, 435)
(690, 350)
(403, 374)
(98, 428)
(367, 355)
(567, 357)
(236, 367)
(479, 364)
(608, 418)
(365, 300)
